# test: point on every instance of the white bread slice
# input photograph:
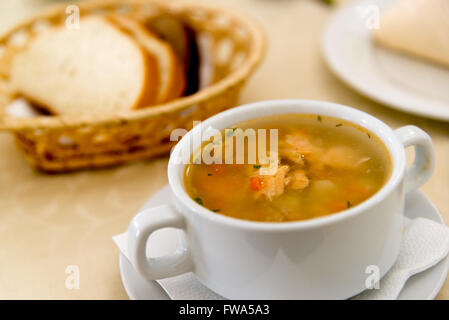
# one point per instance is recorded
(171, 74)
(417, 27)
(96, 69)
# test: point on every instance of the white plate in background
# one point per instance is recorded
(402, 82)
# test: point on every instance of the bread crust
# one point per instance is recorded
(150, 88)
(182, 39)
(176, 77)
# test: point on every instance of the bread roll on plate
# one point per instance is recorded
(417, 27)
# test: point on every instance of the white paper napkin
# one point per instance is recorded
(183, 287)
(424, 244)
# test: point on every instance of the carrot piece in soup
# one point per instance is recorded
(255, 183)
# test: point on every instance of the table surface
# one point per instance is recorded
(50, 222)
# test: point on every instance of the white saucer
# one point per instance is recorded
(425, 285)
(396, 80)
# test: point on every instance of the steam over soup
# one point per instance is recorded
(323, 165)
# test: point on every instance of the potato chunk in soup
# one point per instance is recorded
(323, 165)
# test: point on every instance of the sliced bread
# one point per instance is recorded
(96, 69)
(171, 73)
(182, 39)
(417, 27)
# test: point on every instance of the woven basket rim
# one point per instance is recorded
(253, 59)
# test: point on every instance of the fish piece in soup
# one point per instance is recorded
(298, 179)
(298, 141)
(340, 157)
(270, 186)
(291, 154)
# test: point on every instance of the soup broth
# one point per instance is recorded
(323, 165)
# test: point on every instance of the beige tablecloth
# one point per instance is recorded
(49, 222)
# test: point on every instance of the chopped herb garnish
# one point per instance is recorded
(209, 174)
(257, 166)
(319, 118)
(339, 124)
(369, 136)
(199, 201)
(215, 210)
(348, 204)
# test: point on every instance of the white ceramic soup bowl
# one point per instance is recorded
(331, 257)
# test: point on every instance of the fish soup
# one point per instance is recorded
(322, 166)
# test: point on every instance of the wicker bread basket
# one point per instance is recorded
(59, 143)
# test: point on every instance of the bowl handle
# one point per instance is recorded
(140, 229)
(424, 163)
